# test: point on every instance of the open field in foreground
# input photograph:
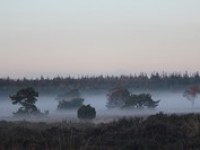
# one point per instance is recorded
(157, 132)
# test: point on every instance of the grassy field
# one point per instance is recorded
(157, 132)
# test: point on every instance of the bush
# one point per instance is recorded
(73, 104)
(86, 112)
(140, 101)
(117, 97)
(70, 100)
(121, 97)
(69, 95)
(27, 111)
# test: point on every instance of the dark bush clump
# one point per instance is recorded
(70, 100)
(74, 103)
(121, 98)
(86, 112)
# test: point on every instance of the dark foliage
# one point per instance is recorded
(141, 81)
(140, 101)
(86, 112)
(70, 100)
(72, 104)
(121, 97)
(191, 92)
(26, 97)
(69, 95)
(158, 132)
(117, 97)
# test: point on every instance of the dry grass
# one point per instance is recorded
(155, 132)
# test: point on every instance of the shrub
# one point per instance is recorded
(121, 97)
(69, 95)
(140, 101)
(86, 112)
(70, 100)
(117, 97)
(72, 104)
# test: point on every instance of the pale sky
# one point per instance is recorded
(89, 37)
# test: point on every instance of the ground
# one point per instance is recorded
(155, 132)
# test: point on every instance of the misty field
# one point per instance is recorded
(167, 127)
(170, 102)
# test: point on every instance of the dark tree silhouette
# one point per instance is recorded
(192, 92)
(86, 112)
(72, 104)
(70, 100)
(26, 97)
(69, 95)
(117, 97)
(140, 101)
(120, 97)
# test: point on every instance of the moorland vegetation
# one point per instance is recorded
(166, 132)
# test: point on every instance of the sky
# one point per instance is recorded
(91, 37)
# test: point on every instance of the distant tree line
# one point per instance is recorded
(141, 81)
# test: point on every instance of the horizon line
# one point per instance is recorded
(79, 76)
